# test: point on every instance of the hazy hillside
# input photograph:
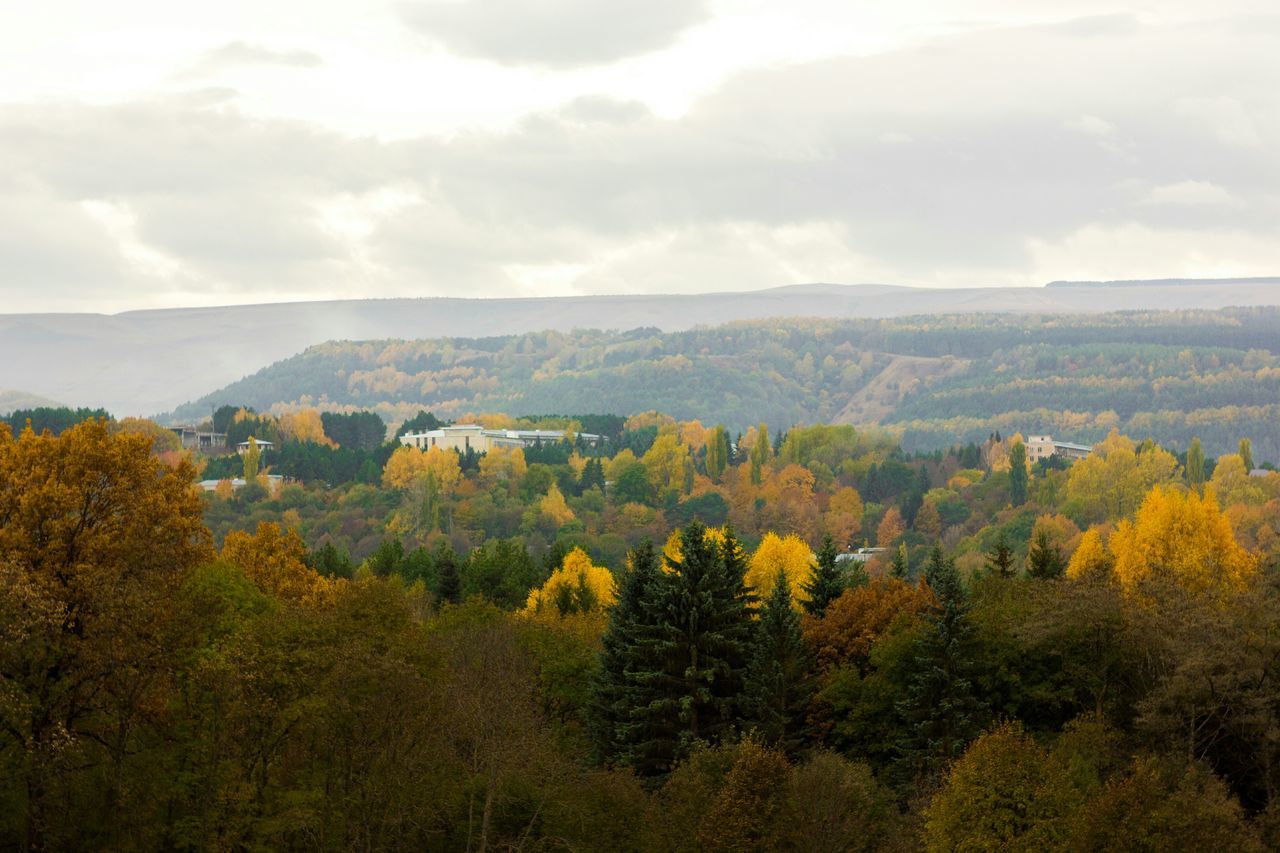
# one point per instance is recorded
(939, 379)
(149, 361)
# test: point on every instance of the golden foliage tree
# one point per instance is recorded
(304, 425)
(410, 468)
(578, 586)
(1183, 538)
(1091, 558)
(502, 465)
(859, 617)
(1112, 481)
(554, 508)
(274, 560)
(843, 516)
(790, 554)
(890, 528)
(1233, 484)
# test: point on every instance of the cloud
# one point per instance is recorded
(241, 54)
(987, 158)
(556, 34)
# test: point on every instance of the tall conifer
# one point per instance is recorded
(778, 687)
(827, 584)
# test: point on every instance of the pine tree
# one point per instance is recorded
(900, 568)
(1044, 560)
(619, 687)
(826, 585)
(703, 641)
(1195, 465)
(1018, 474)
(941, 713)
(778, 688)
(1000, 558)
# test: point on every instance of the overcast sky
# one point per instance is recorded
(157, 154)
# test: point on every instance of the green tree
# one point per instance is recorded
(1195, 465)
(1018, 474)
(941, 713)
(900, 568)
(778, 687)
(760, 453)
(448, 578)
(703, 640)
(717, 453)
(252, 456)
(1000, 557)
(826, 584)
(1044, 559)
(1246, 454)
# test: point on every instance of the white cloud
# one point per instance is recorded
(1189, 193)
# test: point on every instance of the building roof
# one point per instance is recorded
(1068, 445)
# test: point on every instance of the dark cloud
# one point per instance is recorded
(554, 33)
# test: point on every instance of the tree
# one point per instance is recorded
(717, 453)
(1000, 557)
(1018, 474)
(1091, 559)
(1195, 464)
(778, 689)
(251, 458)
(826, 585)
(1184, 539)
(703, 639)
(1044, 559)
(928, 522)
(275, 561)
(790, 555)
(627, 666)
(760, 453)
(843, 515)
(890, 528)
(1246, 454)
(95, 537)
(578, 586)
(448, 579)
(900, 568)
(941, 713)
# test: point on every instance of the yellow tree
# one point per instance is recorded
(425, 478)
(1232, 483)
(1113, 480)
(578, 586)
(274, 561)
(305, 425)
(1091, 558)
(554, 508)
(843, 516)
(665, 463)
(502, 465)
(790, 554)
(890, 528)
(1183, 538)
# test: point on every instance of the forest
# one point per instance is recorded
(689, 638)
(933, 380)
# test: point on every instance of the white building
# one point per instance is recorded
(1043, 446)
(464, 437)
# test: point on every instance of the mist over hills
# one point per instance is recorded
(144, 362)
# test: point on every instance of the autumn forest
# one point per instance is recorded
(751, 631)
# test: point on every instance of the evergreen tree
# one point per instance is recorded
(1000, 558)
(1018, 474)
(941, 713)
(620, 686)
(703, 640)
(448, 578)
(1195, 465)
(900, 568)
(826, 585)
(1044, 560)
(778, 688)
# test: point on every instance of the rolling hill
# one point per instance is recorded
(937, 379)
(142, 362)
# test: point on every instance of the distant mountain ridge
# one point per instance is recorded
(1168, 282)
(144, 362)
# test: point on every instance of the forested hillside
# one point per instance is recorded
(936, 379)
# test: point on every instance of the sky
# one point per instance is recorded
(157, 154)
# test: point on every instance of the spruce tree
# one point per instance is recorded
(1000, 558)
(620, 686)
(826, 585)
(778, 686)
(703, 640)
(900, 568)
(1044, 560)
(941, 713)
